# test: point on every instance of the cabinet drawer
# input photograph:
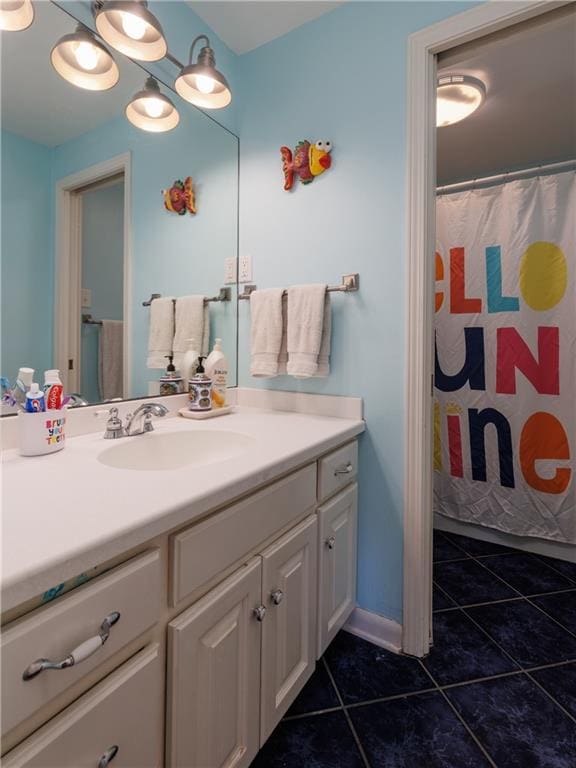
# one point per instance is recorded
(337, 557)
(337, 470)
(53, 631)
(209, 547)
(124, 711)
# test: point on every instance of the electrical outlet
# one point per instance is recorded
(245, 269)
(230, 269)
(86, 298)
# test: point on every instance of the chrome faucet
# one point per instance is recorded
(143, 416)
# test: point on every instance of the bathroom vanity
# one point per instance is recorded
(230, 577)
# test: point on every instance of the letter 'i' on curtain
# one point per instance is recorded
(505, 364)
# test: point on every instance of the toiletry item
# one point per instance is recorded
(217, 370)
(35, 399)
(53, 390)
(23, 384)
(41, 433)
(200, 389)
(171, 383)
(189, 360)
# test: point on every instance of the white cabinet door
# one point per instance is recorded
(289, 583)
(214, 676)
(337, 522)
(118, 722)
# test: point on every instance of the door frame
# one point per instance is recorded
(423, 47)
(67, 278)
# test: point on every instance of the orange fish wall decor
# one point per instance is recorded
(180, 197)
(307, 161)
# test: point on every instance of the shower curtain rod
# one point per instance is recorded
(487, 181)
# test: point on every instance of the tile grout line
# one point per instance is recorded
(552, 698)
(459, 716)
(569, 588)
(314, 712)
(538, 608)
(347, 715)
(502, 599)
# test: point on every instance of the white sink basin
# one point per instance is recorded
(174, 450)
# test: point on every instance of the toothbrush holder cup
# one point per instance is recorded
(41, 433)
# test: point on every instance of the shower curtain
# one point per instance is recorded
(505, 357)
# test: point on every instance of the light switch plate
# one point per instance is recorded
(86, 298)
(245, 269)
(230, 270)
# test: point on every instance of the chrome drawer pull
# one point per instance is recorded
(331, 542)
(345, 471)
(260, 612)
(277, 596)
(108, 756)
(81, 653)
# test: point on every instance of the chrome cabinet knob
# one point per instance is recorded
(347, 470)
(108, 756)
(79, 654)
(260, 612)
(277, 596)
(331, 542)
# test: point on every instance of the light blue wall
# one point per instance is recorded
(102, 273)
(27, 273)
(171, 254)
(343, 78)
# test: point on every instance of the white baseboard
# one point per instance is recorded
(376, 629)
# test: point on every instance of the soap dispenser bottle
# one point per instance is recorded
(200, 389)
(217, 370)
(171, 383)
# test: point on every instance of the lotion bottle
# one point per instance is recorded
(217, 370)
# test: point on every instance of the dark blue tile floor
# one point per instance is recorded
(497, 690)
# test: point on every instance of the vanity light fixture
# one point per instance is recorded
(202, 84)
(131, 28)
(16, 15)
(82, 60)
(457, 97)
(151, 110)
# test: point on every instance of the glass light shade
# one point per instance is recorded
(128, 26)
(151, 110)
(16, 15)
(203, 86)
(457, 97)
(82, 60)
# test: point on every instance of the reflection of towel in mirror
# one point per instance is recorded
(161, 335)
(111, 359)
(192, 322)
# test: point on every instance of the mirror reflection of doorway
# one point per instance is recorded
(101, 243)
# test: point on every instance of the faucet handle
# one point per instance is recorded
(114, 426)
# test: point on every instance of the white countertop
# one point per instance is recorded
(67, 512)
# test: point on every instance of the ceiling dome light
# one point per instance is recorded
(16, 15)
(82, 60)
(151, 111)
(128, 26)
(201, 84)
(457, 97)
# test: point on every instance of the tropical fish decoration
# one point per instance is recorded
(180, 197)
(307, 162)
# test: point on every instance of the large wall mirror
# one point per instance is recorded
(86, 236)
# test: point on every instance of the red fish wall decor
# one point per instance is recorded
(307, 161)
(180, 197)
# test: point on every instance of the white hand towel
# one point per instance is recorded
(265, 331)
(111, 359)
(306, 305)
(283, 356)
(192, 322)
(324, 354)
(161, 333)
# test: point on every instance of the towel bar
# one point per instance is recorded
(349, 284)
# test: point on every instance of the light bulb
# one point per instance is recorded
(87, 56)
(153, 106)
(133, 26)
(205, 84)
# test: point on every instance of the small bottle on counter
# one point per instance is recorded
(200, 389)
(217, 370)
(171, 383)
(35, 399)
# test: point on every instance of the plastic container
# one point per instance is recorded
(217, 370)
(53, 389)
(41, 433)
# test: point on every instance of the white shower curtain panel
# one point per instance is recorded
(505, 369)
